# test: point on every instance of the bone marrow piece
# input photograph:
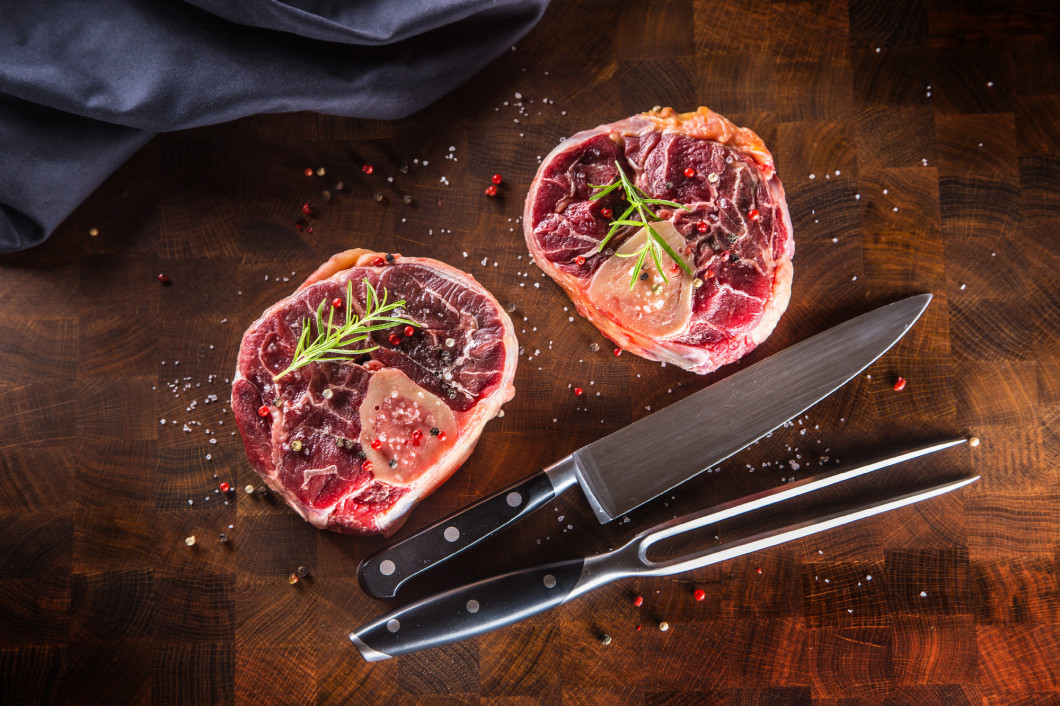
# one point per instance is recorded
(411, 426)
(733, 231)
(352, 445)
(658, 307)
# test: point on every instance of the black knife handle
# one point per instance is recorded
(383, 573)
(468, 611)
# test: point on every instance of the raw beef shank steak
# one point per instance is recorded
(352, 444)
(727, 221)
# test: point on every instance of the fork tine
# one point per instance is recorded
(771, 538)
(780, 493)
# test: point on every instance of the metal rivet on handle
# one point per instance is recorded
(393, 625)
(451, 534)
(472, 606)
(550, 581)
(386, 567)
(514, 499)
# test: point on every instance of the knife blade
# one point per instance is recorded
(645, 459)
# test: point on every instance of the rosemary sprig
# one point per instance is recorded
(330, 344)
(638, 204)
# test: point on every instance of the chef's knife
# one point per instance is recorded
(645, 459)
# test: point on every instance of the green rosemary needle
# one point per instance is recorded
(638, 205)
(332, 340)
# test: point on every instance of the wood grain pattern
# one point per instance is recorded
(919, 145)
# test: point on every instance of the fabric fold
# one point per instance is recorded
(84, 85)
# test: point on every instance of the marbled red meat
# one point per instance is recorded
(413, 408)
(736, 235)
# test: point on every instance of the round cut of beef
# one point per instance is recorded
(352, 444)
(730, 229)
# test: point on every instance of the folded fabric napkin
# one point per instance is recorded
(84, 85)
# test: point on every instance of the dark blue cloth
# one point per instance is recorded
(84, 85)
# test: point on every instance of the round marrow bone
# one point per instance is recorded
(393, 410)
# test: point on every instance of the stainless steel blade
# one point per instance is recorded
(650, 456)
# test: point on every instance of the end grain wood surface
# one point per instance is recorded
(919, 143)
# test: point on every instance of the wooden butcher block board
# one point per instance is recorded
(920, 152)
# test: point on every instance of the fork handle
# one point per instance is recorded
(469, 610)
